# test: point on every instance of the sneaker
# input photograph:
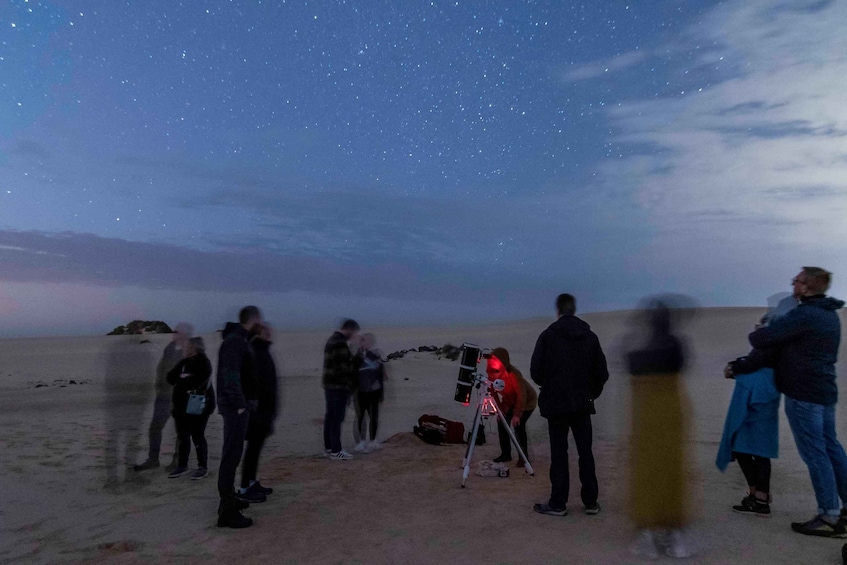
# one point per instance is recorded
(250, 497)
(327, 452)
(340, 456)
(178, 472)
(199, 473)
(374, 445)
(644, 545)
(147, 465)
(677, 546)
(592, 509)
(751, 505)
(817, 526)
(361, 446)
(259, 489)
(549, 510)
(502, 459)
(170, 466)
(234, 519)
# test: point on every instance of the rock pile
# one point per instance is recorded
(137, 327)
(447, 351)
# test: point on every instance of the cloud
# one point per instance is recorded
(750, 172)
(605, 67)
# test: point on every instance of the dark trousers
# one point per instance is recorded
(161, 413)
(235, 429)
(368, 405)
(336, 408)
(520, 433)
(191, 427)
(580, 425)
(757, 470)
(258, 431)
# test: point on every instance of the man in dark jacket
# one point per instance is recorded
(805, 343)
(340, 377)
(236, 388)
(569, 366)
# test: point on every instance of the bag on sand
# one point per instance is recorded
(492, 469)
(437, 430)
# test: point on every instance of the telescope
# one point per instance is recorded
(468, 375)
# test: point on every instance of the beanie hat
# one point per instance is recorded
(503, 355)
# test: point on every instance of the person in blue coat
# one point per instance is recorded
(751, 430)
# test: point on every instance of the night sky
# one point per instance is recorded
(412, 162)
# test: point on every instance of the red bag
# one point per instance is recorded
(454, 432)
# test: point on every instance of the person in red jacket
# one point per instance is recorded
(517, 401)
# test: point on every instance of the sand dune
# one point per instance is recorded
(402, 504)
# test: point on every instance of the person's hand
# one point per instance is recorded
(240, 411)
(516, 420)
(727, 372)
(184, 375)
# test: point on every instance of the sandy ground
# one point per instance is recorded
(402, 504)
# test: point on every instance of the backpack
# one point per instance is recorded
(437, 430)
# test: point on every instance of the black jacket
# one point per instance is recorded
(805, 343)
(236, 371)
(569, 366)
(266, 379)
(199, 381)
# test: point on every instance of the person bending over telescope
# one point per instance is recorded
(517, 401)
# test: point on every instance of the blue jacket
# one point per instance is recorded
(806, 343)
(752, 422)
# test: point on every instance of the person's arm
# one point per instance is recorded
(536, 365)
(230, 381)
(780, 331)
(199, 369)
(520, 405)
(752, 362)
(600, 370)
(173, 375)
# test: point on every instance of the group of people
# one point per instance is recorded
(246, 399)
(795, 348)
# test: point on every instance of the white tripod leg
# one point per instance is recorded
(472, 441)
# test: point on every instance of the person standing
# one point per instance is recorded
(370, 393)
(806, 342)
(163, 405)
(517, 400)
(192, 375)
(261, 424)
(570, 367)
(340, 377)
(237, 395)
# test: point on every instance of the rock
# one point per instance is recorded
(137, 327)
(71, 382)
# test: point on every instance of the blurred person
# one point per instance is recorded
(370, 392)
(261, 423)
(517, 401)
(192, 375)
(162, 405)
(570, 367)
(340, 379)
(659, 481)
(237, 397)
(806, 342)
(751, 431)
(127, 388)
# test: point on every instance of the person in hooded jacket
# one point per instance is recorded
(192, 375)
(806, 343)
(237, 397)
(517, 400)
(261, 424)
(570, 367)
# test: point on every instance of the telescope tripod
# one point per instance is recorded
(487, 407)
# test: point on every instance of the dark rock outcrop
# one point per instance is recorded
(137, 327)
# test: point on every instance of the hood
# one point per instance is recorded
(825, 302)
(571, 326)
(232, 328)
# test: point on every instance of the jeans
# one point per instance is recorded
(580, 425)
(520, 434)
(191, 427)
(336, 408)
(813, 427)
(235, 429)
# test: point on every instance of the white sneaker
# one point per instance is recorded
(644, 545)
(361, 446)
(340, 456)
(374, 445)
(327, 452)
(677, 546)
